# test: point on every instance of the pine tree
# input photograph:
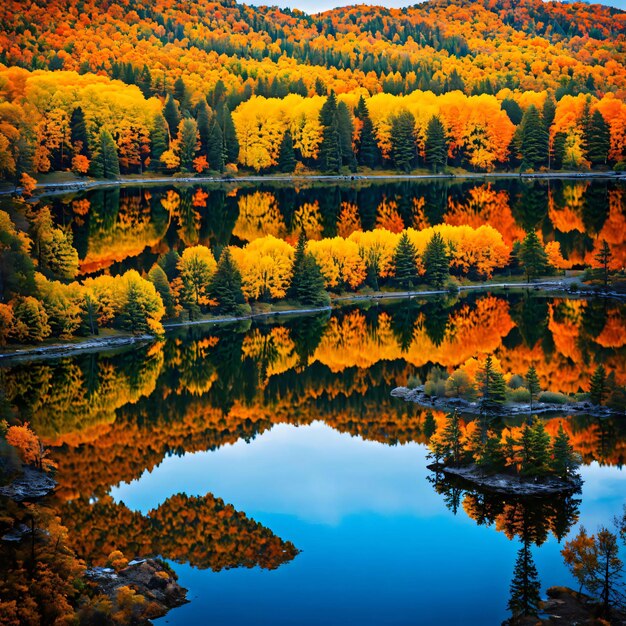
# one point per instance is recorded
(597, 139)
(158, 140)
(451, 439)
(533, 139)
(405, 262)
(203, 119)
(229, 133)
(188, 143)
(532, 256)
(368, 151)
(215, 149)
(171, 113)
(436, 144)
(564, 461)
(345, 128)
(525, 587)
(604, 257)
(286, 154)
(307, 282)
(145, 82)
(169, 263)
(538, 461)
(105, 163)
(430, 425)
(403, 141)
(181, 94)
(598, 386)
(158, 278)
(548, 112)
(492, 457)
(492, 388)
(330, 146)
(225, 286)
(436, 261)
(558, 150)
(532, 384)
(78, 133)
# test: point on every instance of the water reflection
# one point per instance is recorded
(127, 228)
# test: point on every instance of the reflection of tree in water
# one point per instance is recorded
(436, 317)
(531, 206)
(530, 314)
(404, 321)
(525, 587)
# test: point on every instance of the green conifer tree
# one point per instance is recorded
(158, 278)
(532, 256)
(203, 119)
(188, 143)
(451, 439)
(533, 139)
(492, 457)
(105, 162)
(430, 425)
(532, 384)
(229, 133)
(345, 128)
(78, 133)
(330, 146)
(171, 113)
(598, 386)
(403, 148)
(367, 149)
(436, 145)
(436, 261)
(604, 257)
(405, 262)
(525, 587)
(307, 282)
(225, 286)
(286, 154)
(597, 139)
(215, 149)
(159, 142)
(564, 460)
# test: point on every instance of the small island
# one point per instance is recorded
(522, 461)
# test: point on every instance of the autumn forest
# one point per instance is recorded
(312, 318)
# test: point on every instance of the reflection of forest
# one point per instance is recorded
(128, 228)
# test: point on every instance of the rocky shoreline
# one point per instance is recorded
(465, 407)
(509, 484)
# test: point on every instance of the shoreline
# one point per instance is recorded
(51, 188)
(96, 343)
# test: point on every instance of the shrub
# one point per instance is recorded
(413, 381)
(553, 397)
(521, 394)
(620, 166)
(516, 381)
(435, 388)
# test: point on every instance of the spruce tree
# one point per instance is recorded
(158, 278)
(436, 145)
(78, 133)
(307, 283)
(533, 139)
(368, 151)
(330, 146)
(188, 143)
(538, 458)
(597, 139)
(171, 113)
(430, 425)
(492, 457)
(604, 257)
(548, 112)
(532, 256)
(225, 286)
(492, 388)
(181, 94)
(203, 119)
(525, 587)
(215, 148)
(286, 154)
(532, 384)
(436, 261)
(558, 150)
(564, 461)
(405, 262)
(105, 163)
(403, 149)
(345, 128)
(158, 140)
(145, 81)
(451, 439)
(229, 133)
(598, 387)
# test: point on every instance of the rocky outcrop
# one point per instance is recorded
(148, 578)
(465, 407)
(30, 486)
(510, 484)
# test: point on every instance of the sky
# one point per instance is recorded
(315, 6)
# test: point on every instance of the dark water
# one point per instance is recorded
(291, 423)
(128, 228)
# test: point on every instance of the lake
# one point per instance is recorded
(268, 463)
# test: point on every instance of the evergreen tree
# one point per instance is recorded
(105, 163)
(492, 457)
(188, 143)
(158, 140)
(598, 387)
(405, 262)
(171, 113)
(525, 587)
(367, 150)
(403, 141)
(286, 154)
(78, 133)
(604, 257)
(436, 144)
(345, 128)
(492, 388)
(548, 112)
(533, 139)
(537, 456)
(169, 263)
(225, 286)
(451, 439)
(229, 133)
(558, 150)
(597, 139)
(145, 82)
(564, 461)
(436, 261)
(307, 282)
(158, 278)
(215, 149)
(532, 384)
(532, 256)
(330, 146)
(203, 119)
(182, 95)
(430, 425)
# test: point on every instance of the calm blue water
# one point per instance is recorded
(378, 544)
